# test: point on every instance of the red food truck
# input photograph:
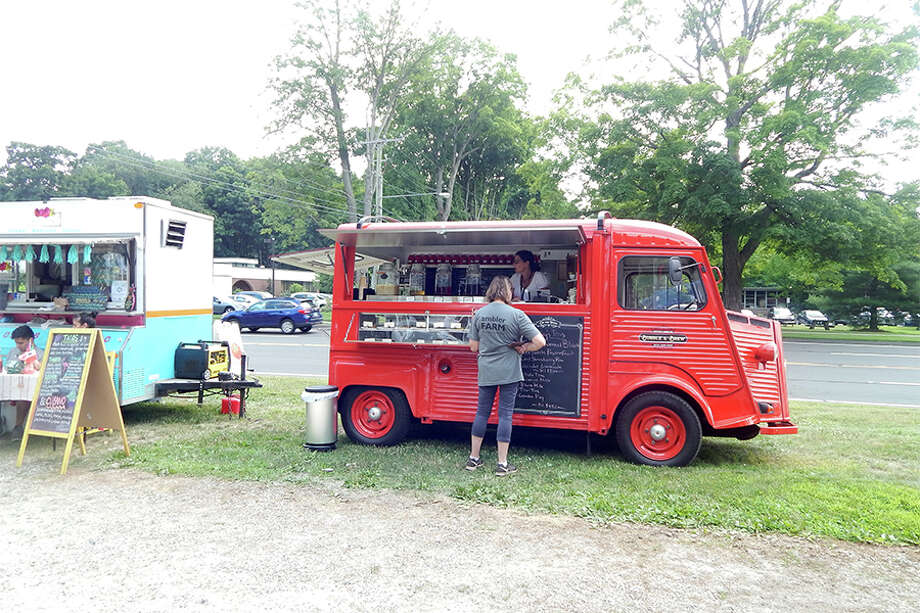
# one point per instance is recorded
(639, 344)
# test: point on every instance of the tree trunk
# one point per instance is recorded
(731, 270)
(343, 152)
(439, 203)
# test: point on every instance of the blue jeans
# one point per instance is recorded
(507, 394)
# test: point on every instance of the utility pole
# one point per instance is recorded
(375, 158)
(270, 241)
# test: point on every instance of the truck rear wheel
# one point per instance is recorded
(375, 415)
(658, 429)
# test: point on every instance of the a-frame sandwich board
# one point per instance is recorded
(74, 390)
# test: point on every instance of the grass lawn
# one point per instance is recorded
(852, 473)
(886, 334)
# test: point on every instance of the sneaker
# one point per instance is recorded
(473, 464)
(505, 469)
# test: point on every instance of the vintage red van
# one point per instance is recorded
(639, 344)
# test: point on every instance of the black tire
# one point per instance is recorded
(253, 329)
(675, 415)
(358, 432)
(306, 328)
(287, 326)
(229, 310)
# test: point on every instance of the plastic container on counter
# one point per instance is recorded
(443, 282)
(417, 279)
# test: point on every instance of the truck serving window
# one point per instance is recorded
(644, 285)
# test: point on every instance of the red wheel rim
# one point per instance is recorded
(372, 414)
(658, 433)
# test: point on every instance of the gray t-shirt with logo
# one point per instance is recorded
(495, 326)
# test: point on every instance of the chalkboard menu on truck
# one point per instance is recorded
(552, 376)
(66, 358)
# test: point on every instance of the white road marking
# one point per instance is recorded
(826, 365)
(897, 383)
(878, 355)
(872, 404)
(868, 344)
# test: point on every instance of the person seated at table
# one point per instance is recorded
(527, 278)
(25, 343)
(85, 320)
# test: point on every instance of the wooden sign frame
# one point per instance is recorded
(96, 405)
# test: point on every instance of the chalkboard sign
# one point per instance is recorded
(552, 376)
(66, 360)
(74, 391)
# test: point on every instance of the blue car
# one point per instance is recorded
(289, 315)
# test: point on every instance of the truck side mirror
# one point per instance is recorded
(675, 270)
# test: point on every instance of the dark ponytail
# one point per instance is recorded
(88, 318)
(530, 258)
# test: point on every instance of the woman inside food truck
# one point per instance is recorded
(527, 278)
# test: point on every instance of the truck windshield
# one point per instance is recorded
(644, 285)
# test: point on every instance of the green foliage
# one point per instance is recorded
(341, 55)
(34, 172)
(463, 132)
(755, 138)
(862, 290)
(236, 219)
(323, 283)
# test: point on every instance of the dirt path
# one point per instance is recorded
(120, 540)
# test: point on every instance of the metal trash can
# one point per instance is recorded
(322, 424)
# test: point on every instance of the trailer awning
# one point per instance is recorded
(63, 239)
(322, 260)
(379, 238)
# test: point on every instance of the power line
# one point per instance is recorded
(229, 187)
(143, 163)
(190, 176)
(303, 183)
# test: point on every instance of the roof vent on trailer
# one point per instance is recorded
(172, 233)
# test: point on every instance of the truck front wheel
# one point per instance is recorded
(375, 415)
(658, 429)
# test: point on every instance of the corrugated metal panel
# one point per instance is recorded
(763, 379)
(454, 395)
(706, 354)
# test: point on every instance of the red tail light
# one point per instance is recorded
(301, 311)
(766, 352)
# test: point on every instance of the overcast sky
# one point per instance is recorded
(171, 76)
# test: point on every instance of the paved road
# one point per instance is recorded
(853, 372)
(273, 353)
(841, 372)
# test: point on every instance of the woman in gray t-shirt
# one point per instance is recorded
(499, 335)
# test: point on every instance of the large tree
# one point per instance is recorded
(760, 123)
(34, 172)
(344, 57)
(225, 194)
(462, 125)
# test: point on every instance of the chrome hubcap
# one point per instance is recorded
(657, 432)
(374, 413)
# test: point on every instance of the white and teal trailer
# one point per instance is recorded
(144, 265)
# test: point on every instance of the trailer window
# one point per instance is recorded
(644, 285)
(91, 276)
